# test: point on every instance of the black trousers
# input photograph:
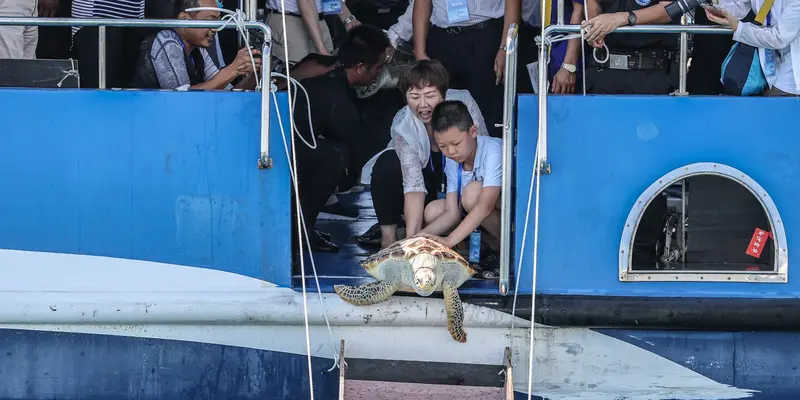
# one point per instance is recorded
(527, 52)
(469, 57)
(122, 53)
(616, 81)
(387, 187)
(318, 172)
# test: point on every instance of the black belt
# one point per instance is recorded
(320, 16)
(457, 30)
(655, 59)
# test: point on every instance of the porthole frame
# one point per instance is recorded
(781, 256)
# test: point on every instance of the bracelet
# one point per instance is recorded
(349, 19)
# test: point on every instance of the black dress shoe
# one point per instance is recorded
(320, 244)
(324, 235)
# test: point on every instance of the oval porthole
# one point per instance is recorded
(704, 222)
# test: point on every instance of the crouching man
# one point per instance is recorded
(474, 171)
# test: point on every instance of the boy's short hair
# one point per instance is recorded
(424, 73)
(363, 44)
(449, 114)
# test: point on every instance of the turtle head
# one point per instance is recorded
(423, 265)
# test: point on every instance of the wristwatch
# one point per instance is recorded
(631, 18)
(349, 19)
(569, 67)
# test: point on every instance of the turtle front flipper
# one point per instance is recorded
(368, 293)
(455, 312)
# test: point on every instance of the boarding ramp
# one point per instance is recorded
(359, 379)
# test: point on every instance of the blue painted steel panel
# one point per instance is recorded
(157, 176)
(764, 361)
(606, 150)
(38, 364)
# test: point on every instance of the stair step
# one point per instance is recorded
(384, 390)
(358, 388)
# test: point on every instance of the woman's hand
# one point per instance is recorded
(724, 18)
(435, 238)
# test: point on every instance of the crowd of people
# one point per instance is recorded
(430, 152)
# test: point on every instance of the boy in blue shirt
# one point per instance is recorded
(474, 170)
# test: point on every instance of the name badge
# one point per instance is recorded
(770, 68)
(331, 7)
(457, 11)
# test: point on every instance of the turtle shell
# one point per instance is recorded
(405, 249)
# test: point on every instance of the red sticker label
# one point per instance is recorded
(757, 243)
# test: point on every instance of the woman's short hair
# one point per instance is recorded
(424, 73)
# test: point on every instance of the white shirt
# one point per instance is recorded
(291, 6)
(403, 29)
(411, 142)
(783, 35)
(487, 168)
(479, 11)
(532, 12)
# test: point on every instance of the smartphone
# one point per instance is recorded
(713, 10)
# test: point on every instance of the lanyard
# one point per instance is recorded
(459, 184)
(441, 185)
(189, 56)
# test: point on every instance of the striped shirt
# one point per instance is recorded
(479, 11)
(291, 6)
(106, 9)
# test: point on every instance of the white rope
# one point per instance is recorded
(538, 176)
(300, 230)
(293, 174)
(549, 42)
(72, 72)
(238, 18)
(536, 181)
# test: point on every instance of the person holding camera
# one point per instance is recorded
(625, 63)
(178, 59)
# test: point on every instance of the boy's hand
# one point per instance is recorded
(435, 238)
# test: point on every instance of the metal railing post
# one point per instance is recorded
(509, 136)
(102, 23)
(683, 68)
(101, 57)
(266, 69)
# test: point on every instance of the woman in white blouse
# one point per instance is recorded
(408, 174)
(778, 40)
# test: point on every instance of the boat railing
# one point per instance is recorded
(264, 161)
(510, 99)
(549, 33)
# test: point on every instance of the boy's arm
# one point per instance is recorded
(482, 210)
(447, 219)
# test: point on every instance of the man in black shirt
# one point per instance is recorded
(636, 63)
(337, 123)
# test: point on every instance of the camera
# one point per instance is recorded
(679, 7)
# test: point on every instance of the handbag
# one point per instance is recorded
(741, 70)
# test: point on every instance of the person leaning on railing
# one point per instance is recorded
(178, 59)
(637, 63)
(778, 41)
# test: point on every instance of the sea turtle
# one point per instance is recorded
(417, 263)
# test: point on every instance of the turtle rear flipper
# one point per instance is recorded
(366, 294)
(455, 312)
